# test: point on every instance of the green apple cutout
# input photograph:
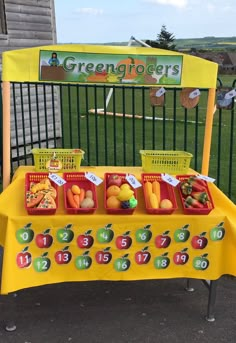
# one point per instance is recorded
(217, 233)
(42, 263)
(182, 234)
(83, 261)
(105, 234)
(162, 261)
(25, 234)
(201, 262)
(65, 234)
(144, 234)
(122, 264)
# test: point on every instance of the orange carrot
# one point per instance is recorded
(70, 199)
(76, 199)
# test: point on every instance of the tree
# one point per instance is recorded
(164, 40)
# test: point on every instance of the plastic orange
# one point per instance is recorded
(113, 202)
(112, 190)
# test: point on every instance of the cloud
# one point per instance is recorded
(175, 3)
(89, 11)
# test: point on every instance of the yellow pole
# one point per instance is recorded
(208, 131)
(6, 162)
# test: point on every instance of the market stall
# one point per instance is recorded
(109, 245)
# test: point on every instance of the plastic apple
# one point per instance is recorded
(181, 257)
(44, 240)
(65, 234)
(182, 234)
(24, 258)
(124, 241)
(25, 234)
(199, 241)
(114, 179)
(63, 256)
(143, 256)
(217, 233)
(42, 263)
(201, 262)
(162, 261)
(103, 256)
(163, 241)
(85, 241)
(83, 261)
(122, 264)
(143, 235)
(105, 234)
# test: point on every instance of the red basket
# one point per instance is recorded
(76, 178)
(166, 190)
(36, 178)
(208, 207)
(117, 210)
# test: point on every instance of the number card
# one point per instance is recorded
(93, 178)
(133, 181)
(170, 179)
(194, 94)
(160, 92)
(205, 178)
(57, 179)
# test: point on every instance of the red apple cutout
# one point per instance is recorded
(24, 258)
(181, 257)
(85, 241)
(163, 240)
(114, 179)
(103, 256)
(143, 256)
(124, 241)
(63, 256)
(44, 240)
(200, 241)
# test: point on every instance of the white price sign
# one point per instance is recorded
(194, 94)
(93, 178)
(170, 179)
(205, 178)
(160, 92)
(57, 179)
(133, 181)
(230, 94)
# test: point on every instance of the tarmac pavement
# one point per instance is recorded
(150, 311)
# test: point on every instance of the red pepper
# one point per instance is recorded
(196, 186)
(193, 202)
(200, 196)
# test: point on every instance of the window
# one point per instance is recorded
(3, 27)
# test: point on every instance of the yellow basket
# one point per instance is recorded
(57, 160)
(171, 162)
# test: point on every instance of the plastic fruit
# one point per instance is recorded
(113, 202)
(75, 189)
(125, 194)
(114, 179)
(125, 186)
(112, 190)
(166, 203)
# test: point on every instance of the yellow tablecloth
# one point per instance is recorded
(112, 256)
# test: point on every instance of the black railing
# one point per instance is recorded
(111, 132)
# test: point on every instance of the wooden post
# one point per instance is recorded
(208, 131)
(6, 161)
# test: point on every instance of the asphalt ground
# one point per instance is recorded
(153, 311)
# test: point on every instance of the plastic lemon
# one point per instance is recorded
(125, 186)
(75, 189)
(125, 194)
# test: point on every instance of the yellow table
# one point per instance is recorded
(28, 263)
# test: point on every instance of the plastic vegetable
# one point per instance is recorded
(196, 185)
(156, 188)
(153, 201)
(193, 202)
(200, 196)
(70, 199)
(186, 188)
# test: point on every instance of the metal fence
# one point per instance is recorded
(111, 124)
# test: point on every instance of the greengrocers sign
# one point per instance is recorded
(110, 68)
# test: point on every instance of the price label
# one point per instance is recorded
(57, 179)
(205, 178)
(230, 94)
(133, 181)
(93, 178)
(194, 94)
(160, 92)
(170, 179)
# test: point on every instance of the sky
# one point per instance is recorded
(104, 21)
